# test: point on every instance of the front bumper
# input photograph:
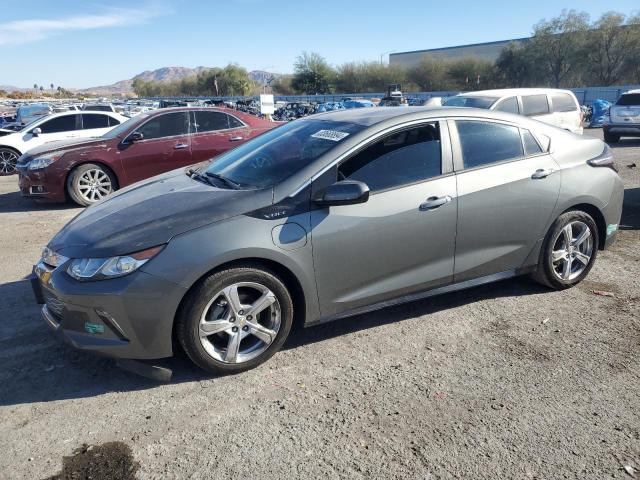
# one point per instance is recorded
(37, 184)
(129, 317)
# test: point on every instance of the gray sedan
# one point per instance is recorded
(323, 218)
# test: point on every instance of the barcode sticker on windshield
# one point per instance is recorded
(330, 135)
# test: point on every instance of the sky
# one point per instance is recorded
(85, 43)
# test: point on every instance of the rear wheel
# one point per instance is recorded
(90, 183)
(235, 320)
(8, 160)
(611, 137)
(569, 251)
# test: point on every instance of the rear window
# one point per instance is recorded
(563, 102)
(534, 105)
(473, 102)
(629, 99)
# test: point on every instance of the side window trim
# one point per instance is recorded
(446, 160)
(458, 160)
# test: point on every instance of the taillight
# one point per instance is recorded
(605, 159)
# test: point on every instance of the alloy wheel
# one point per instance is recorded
(94, 184)
(240, 322)
(572, 250)
(8, 160)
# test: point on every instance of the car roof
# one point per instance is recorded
(509, 92)
(372, 116)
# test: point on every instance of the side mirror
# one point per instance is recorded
(36, 131)
(136, 137)
(346, 192)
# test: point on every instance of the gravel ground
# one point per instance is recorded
(508, 380)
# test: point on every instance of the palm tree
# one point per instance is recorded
(59, 91)
(52, 87)
(35, 87)
(41, 89)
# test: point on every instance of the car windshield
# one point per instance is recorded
(125, 126)
(475, 102)
(629, 99)
(279, 153)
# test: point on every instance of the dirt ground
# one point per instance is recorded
(508, 380)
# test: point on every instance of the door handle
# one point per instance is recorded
(180, 146)
(434, 202)
(235, 139)
(542, 173)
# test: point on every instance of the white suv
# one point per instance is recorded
(57, 126)
(549, 105)
(624, 118)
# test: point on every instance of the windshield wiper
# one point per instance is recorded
(223, 179)
(195, 174)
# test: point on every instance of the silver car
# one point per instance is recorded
(323, 218)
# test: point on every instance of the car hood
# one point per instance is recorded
(150, 213)
(68, 144)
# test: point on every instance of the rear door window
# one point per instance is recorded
(535, 105)
(211, 121)
(484, 143)
(166, 125)
(66, 123)
(401, 158)
(509, 105)
(563, 102)
(94, 120)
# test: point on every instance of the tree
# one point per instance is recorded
(41, 89)
(35, 88)
(558, 47)
(429, 75)
(312, 74)
(610, 47)
(470, 74)
(51, 87)
(515, 68)
(282, 85)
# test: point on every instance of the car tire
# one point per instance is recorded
(611, 137)
(8, 161)
(560, 267)
(90, 183)
(210, 307)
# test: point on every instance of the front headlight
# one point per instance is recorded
(44, 160)
(102, 268)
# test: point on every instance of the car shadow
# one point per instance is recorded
(13, 202)
(37, 367)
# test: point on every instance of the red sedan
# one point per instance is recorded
(146, 145)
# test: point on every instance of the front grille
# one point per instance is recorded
(54, 304)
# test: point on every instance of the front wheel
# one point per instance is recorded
(235, 320)
(90, 183)
(569, 250)
(8, 161)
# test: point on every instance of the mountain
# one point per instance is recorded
(165, 74)
(11, 88)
